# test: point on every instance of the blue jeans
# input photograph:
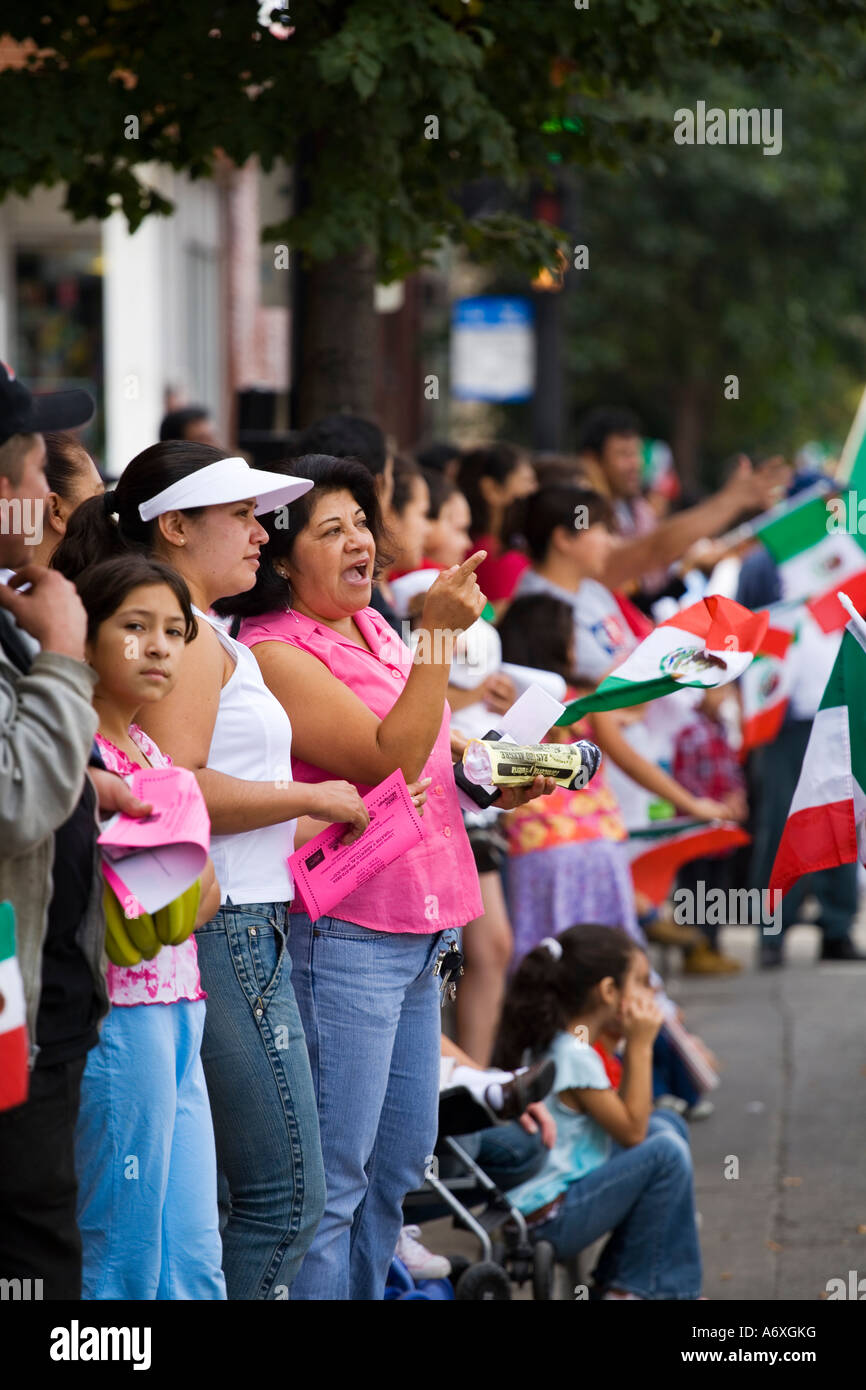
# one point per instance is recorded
(645, 1197)
(261, 1095)
(370, 1005)
(508, 1155)
(144, 1152)
(671, 1076)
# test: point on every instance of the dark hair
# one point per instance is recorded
(599, 424)
(345, 437)
(92, 534)
(440, 487)
(65, 459)
(553, 469)
(405, 472)
(272, 592)
(538, 630)
(545, 993)
(496, 461)
(103, 587)
(553, 506)
(435, 457)
(175, 422)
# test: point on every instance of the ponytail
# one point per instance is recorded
(105, 527)
(549, 989)
(92, 535)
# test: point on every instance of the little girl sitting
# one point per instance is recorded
(145, 1156)
(614, 1166)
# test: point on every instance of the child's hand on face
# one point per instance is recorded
(641, 1018)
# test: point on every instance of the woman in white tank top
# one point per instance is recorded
(195, 510)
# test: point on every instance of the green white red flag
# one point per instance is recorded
(660, 849)
(826, 823)
(14, 1074)
(816, 557)
(765, 684)
(708, 644)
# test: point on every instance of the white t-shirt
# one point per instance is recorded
(252, 740)
(602, 636)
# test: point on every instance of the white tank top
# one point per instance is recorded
(252, 740)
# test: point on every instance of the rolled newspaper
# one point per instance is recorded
(517, 765)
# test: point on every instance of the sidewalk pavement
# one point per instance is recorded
(790, 1118)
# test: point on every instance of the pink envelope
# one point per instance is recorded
(325, 871)
(151, 862)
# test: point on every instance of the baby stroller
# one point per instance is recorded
(454, 1183)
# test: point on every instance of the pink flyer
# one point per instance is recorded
(150, 862)
(326, 871)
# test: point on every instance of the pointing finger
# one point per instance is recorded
(469, 566)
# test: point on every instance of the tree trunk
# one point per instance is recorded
(688, 432)
(336, 338)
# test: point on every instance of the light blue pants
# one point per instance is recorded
(145, 1158)
(369, 1002)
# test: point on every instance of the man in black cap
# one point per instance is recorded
(47, 823)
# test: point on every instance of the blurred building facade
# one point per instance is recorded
(190, 308)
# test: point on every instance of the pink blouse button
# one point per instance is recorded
(395, 674)
(440, 790)
(447, 830)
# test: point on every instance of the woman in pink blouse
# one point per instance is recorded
(361, 708)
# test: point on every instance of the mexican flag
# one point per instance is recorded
(14, 1074)
(816, 556)
(708, 644)
(825, 825)
(765, 685)
(659, 850)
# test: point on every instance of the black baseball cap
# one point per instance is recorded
(21, 413)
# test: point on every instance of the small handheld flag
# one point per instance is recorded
(708, 644)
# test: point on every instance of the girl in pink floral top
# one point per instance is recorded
(172, 974)
(145, 1153)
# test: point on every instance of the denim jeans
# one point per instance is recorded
(645, 1197)
(145, 1156)
(262, 1101)
(671, 1076)
(370, 1005)
(508, 1155)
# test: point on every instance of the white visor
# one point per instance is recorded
(227, 480)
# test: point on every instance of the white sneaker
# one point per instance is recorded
(701, 1110)
(674, 1103)
(420, 1262)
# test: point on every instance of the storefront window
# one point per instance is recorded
(58, 327)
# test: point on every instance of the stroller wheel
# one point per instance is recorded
(484, 1282)
(459, 1264)
(543, 1270)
